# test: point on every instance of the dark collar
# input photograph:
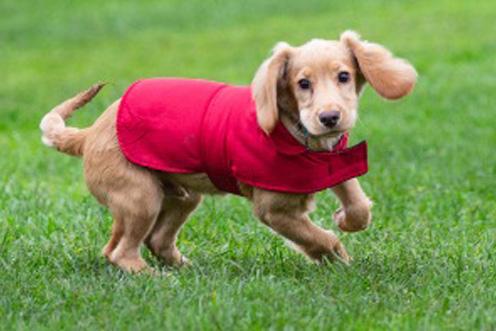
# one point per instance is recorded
(287, 144)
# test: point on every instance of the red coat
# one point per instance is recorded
(197, 126)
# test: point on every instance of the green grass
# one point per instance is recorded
(428, 261)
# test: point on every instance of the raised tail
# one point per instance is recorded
(55, 134)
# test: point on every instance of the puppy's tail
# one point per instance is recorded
(54, 131)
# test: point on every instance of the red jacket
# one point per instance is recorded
(197, 126)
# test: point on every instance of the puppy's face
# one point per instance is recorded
(318, 84)
(321, 77)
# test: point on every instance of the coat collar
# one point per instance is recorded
(285, 143)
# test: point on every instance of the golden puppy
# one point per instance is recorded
(313, 90)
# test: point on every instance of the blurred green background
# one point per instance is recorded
(426, 263)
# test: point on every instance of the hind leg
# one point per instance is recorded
(162, 239)
(126, 254)
(133, 194)
(117, 233)
(135, 200)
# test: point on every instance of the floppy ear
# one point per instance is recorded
(391, 77)
(264, 86)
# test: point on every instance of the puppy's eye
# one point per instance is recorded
(344, 77)
(304, 84)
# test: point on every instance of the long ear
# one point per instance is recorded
(391, 77)
(264, 86)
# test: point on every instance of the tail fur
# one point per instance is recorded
(55, 134)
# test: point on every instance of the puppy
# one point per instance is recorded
(153, 153)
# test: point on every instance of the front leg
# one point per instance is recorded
(287, 214)
(354, 214)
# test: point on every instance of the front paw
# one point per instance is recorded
(331, 249)
(354, 218)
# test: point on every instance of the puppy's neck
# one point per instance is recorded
(313, 143)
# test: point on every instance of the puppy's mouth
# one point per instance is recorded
(331, 133)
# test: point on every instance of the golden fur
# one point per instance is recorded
(150, 207)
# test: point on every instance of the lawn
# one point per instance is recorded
(427, 262)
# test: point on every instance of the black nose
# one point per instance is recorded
(329, 118)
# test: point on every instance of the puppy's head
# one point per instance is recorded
(318, 84)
